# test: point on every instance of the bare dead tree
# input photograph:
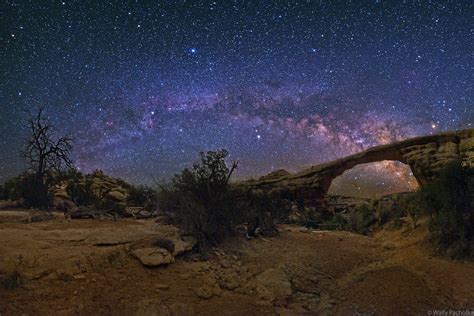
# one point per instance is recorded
(44, 153)
(235, 165)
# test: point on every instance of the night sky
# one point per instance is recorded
(143, 86)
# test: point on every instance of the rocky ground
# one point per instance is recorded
(49, 265)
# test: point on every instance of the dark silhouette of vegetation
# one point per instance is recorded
(44, 154)
(362, 218)
(10, 190)
(201, 199)
(413, 205)
(450, 203)
(141, 195)
(264, 210)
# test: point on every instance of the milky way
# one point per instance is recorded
(143, 87)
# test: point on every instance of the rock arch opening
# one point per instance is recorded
(374, 179)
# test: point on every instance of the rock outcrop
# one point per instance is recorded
(97, 195)
(426, 156)
(153, 257)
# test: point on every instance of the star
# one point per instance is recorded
(279, 85)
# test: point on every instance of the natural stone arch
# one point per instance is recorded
(425, 155)
(358, 181)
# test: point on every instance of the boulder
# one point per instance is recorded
(153, 257)
(61, 192)
(117, 196)
(274, 285)
(64, 205)
(205, 292)
(183, 244)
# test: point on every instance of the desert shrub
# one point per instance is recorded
(335, 222)
(384, 215)
(34, 191)
(395, 224)
(81, 192)
(141, 195)
(361, 219)
(263, 210)
(310, 217)
(413, 205)
(70, 174)
(202, 200)
(12, 188)
(389, 210)
(450, 202)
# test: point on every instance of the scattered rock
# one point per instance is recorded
(153, 257)
(180, 309)
(205, 292)
(183, 244)
(229, 281)
(152, 308)
(305, 286)
(64, 276)
(274, 285)
(162, 286)
(79, 277)
(117, 196)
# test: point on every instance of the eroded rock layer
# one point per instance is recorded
(426, 156)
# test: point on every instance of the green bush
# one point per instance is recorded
(141, 195)
(361, 219)
(202, 200)
(27, 187)
(390, 210)
(450, 202)
(263, 210)
(81, 192)
(413, 205)
(384, 215)
(336, 222)
(11, 189)
(34, 191)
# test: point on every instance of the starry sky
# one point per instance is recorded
(142, 86)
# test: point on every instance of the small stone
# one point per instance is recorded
(205, 292)
(79, 277)
(153, 257)
(225, 264)
(162, 286)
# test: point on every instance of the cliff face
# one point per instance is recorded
(426, 156)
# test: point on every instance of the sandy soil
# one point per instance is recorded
(85, 267)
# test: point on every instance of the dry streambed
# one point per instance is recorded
(104, 267)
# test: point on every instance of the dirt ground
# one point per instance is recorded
(85, 267)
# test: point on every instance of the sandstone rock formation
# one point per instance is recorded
(153, 257)
(426, 156)
(97, 195)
